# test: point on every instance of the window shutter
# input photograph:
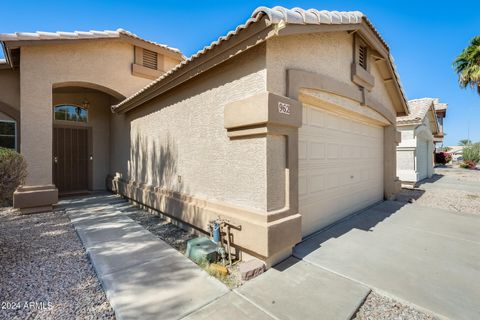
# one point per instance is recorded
(150, 59)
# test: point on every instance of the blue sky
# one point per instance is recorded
(424, 36)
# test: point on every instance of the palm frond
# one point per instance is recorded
(467, 65)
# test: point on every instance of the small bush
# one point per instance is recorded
(472, 153)
(448, 157)
(442, 157)
(13, 171)
(468, 164)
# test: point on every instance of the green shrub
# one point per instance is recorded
(13, 171)
(472, 153)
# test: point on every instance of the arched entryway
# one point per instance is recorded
(81, 136)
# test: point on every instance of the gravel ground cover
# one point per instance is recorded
(459, 173)
(446, 198)
(165, 230)
(378, 307)
(45, 272)
(177, 238)
(452, 200)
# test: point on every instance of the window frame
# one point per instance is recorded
(71, 121)
(15, 135)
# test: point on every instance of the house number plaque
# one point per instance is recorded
(284, 108)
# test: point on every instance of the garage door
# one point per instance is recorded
(422, 159)
(340, 167)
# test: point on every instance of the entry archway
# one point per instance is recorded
(81, 135)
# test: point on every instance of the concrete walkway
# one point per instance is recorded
(424, 256)
(144, 278)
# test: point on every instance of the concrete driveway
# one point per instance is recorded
(424, 256)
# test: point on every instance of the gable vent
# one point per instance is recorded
(150, 59)
(362, 56)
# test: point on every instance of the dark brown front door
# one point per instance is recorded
(71, 159)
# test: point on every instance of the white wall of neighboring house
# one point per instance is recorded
(415, 152)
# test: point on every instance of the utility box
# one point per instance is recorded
(202, 249)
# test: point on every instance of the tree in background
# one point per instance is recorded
(467, 65)
(464, 142)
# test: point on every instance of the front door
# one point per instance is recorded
(71, 172)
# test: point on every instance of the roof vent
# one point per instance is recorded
(362, 56)
(150, 59)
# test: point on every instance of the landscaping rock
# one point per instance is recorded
(251, 269)
(45, 272)
(379, 307)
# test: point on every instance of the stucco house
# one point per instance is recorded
(283, 126)
(420, 131)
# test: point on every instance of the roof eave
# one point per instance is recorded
(223, 51)
(364, 26)
(113, 35)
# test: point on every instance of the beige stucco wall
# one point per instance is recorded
(3, 116)
(329, 57)
(169, 63)
(99, 120)
(178, 141)
(10, 87)
(105, 63)
(329, 53)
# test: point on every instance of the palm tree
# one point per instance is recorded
(464, 142)
(467, 65)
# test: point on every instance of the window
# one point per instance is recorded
(8, 134)
(71, 113)
(150, 59)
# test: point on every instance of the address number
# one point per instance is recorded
(283, 108)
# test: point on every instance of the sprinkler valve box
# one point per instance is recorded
(202, 249)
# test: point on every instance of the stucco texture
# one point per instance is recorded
(415, 152)
(100, 64)
(178, 141)
(10, 88)
(329, 54)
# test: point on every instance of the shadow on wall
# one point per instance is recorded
(154, 164)
(156, 182)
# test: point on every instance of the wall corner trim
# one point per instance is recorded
(261, 114)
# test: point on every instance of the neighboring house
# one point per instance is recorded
(420, 131)
(283, 126)
(441, 112)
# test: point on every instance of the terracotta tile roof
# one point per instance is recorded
(418, 111)
(76, 35)
(276, 15)
(438, 105)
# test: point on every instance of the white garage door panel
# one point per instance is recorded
(340, 167)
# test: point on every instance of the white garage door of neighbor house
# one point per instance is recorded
(340, 167)
(422, 158)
